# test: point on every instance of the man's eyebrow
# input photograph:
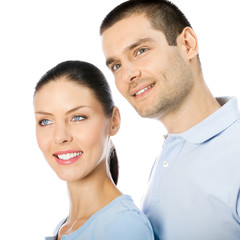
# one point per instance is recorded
(68, 112)
(137, 43)
(129, 48)
(109, 61)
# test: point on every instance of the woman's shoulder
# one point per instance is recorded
(120, 219)
(124, 220)
(124, 205)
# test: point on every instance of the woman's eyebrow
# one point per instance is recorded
(68, 112)
(43, 113)
(77, 108)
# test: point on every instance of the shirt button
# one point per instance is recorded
(165, 164)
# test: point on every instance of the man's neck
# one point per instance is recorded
(197, 106)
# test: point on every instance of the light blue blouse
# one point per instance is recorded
(194, 188)
(119, 220)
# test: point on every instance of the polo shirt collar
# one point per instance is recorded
(214, 124)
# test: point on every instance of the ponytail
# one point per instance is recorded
(113, 164)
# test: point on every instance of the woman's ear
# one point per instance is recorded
(188, 41)
(115, 121)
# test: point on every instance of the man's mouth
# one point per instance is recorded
(143, 90)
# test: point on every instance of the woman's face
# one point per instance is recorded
(72, 129)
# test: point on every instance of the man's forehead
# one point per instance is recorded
(126, 31)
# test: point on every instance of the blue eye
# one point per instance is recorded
(78, 118)
(140, 51)
(44, 122)
(116, 67)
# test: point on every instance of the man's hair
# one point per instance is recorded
(162, 14)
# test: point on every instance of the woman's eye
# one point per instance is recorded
(44, 122)
(78, 118)
(116, 67)
(140, 51)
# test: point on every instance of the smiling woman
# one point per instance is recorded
(75, 118)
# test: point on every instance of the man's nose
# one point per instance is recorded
(130, 72)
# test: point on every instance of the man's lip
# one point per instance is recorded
(140, 87)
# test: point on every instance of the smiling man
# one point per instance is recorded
(193, 190)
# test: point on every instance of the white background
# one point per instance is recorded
(35, 36)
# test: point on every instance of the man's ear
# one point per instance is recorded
(188, 42)
(115, 121)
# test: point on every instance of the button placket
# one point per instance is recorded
(170, 152)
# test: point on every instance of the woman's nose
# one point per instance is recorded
(62, 134)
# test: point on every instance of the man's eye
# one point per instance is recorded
(44, 122)
(116, 67)
(78, 118)
(140, 51)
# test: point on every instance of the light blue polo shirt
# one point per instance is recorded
(193, 191)
(119, 220)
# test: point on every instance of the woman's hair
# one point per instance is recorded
(88, 75)
(162, 14)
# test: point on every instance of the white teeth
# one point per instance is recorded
(68, 155)
(143, 90)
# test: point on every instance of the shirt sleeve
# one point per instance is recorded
(129, 225)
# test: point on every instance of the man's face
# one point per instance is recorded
(150, 74)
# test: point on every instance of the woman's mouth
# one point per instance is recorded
(67, 157)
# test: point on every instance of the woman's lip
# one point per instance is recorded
(67, 157)
(66, 152)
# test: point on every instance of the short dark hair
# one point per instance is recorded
(162, 14)
(88, 75)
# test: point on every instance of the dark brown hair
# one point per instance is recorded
(163, 15)
(88, 75)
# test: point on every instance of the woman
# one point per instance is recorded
(75, 117)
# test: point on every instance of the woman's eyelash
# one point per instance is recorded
(78, 118)
(44, 122)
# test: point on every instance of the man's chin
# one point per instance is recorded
(150, 112)
(146, 113)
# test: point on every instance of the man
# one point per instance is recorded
(193, 190)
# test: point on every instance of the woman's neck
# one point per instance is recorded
(86, 197)
(90, 194)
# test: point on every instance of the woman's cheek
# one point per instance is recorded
(44, 140)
